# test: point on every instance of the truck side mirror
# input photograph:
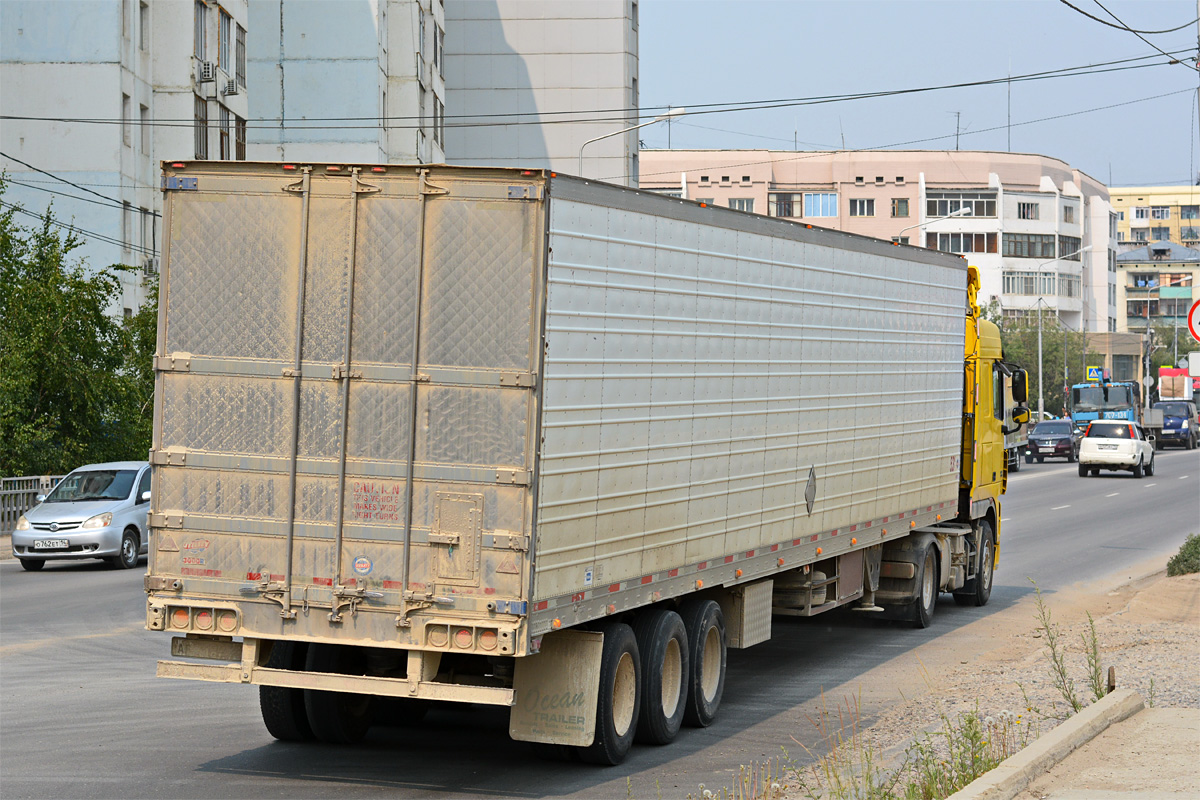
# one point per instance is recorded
(1020, 389)
(1021, 416)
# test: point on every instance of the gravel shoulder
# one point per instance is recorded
(1147, 626)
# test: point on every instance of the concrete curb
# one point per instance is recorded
(1017, 771)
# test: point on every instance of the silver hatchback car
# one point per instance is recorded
(98, 511)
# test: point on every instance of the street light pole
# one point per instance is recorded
(674, 112)
(1041, 397)
(965, 211)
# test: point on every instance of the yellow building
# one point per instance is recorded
(1156, 283)
(1148, 214)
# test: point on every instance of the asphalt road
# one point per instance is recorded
(82, 715)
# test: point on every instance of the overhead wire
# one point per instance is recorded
(69, 183)
(1124, 27)
(83, 231)
(1135, 33)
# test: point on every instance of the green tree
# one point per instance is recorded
(75, 383)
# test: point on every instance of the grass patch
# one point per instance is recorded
(1187, 560)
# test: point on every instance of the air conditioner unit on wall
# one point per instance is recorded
(150, 265)
(208, 71)
(231, 87)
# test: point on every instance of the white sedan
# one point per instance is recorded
(1116, 444)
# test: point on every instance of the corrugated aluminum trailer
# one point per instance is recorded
(448, 413)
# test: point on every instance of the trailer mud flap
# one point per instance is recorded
(555, 691)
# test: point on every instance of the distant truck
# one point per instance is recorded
(1104, 400)
(431, 434)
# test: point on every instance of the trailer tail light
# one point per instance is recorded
(289, 166)
(378, 169)
(180, 618)
(203, 620)
(179, 165)
(226, 621)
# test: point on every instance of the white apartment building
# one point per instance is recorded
(526, 79)
(347, 80)
(116, 67)
(1042, 233)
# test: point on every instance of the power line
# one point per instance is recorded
(1135, 33)
(926, 139)
(69, 183)
(610, 115)
(86, 233)
(62, 194)
(1123, 27)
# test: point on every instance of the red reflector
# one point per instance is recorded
(704, 205)
(526, 172)
(289, 166)
(378, 169)
(553, 174)
(179, 165)
(332, 168)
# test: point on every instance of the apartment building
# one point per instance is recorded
(1148, 214)
(1041, 232)
(99, 74)
(1158, 283)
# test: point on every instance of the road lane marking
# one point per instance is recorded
(1184, 477)
(1114, 494)
(1148, 485)
(1059, 508)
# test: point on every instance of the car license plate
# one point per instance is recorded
(1108, 447)
(51, 544)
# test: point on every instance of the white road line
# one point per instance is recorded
(1148, 485)
(1114, 494)
(1059, 508)
(1005, 519)
(1184, 477)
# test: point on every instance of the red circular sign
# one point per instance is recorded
(1194, 320)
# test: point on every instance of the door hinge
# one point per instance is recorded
(524, 380)
(518, 477)
(525, 192)
(340, 373)
(168, 458)
(166, 520)
(160, 583)
(451, 539)
(506, 541)
(175, 362)
(517, 607)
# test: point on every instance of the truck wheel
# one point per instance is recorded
(620, 693)
(129, 551)
(705, 623)
(1083, 471)
(282, 708)
(1015, 463)
(1137, 469)
(662, 643)
(921, 613)
(337, 717)
(32, 564)
(978, 590)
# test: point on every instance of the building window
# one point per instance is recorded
(1189, 233)
(147, 224)
(1143, 280)
(900, 239)
(144, 25)
(1177, 279)
(862, 207)
(421, 93)
(439, 121)
(1121, 216)
(1160, 212)
(1069, 215)
(224, 34)
(200, 33)
(943, 204)
(439, 47)
(1029, 245)
(1189, 212)
(223, 133)
(1027, 210)
(1141, 212)
(961, 242)
(239, 138)
(239, 62)
(820, 204)
(899, 180)
(1140, 235)
(899, 206)
(742, 203)
(144, 127)
(704, 201)
(1160, 234)
(421, 36)
(784, 204)
(1069, 246)
(126, 227)
(126, 120)
(201, 127)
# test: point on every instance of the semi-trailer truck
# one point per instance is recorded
(427, 434)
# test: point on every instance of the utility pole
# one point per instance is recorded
(1010, 107)
(1041, 402)
(958, 115)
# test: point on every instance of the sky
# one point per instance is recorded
(694, 52)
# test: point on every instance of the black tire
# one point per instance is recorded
(705, 624)
(1028, 458)
(1137, 469)
(130, 551)
(663, 645)
(337, 717)
(1095, 472)
(617, 707)
(1149, 468)
(32, 564)
(282, 708)
(400, 712)
(978, 590)
(1083, 471)
(921, 611)
(1041, 459)
(1071, 457)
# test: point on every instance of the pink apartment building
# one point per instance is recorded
(1041, 232)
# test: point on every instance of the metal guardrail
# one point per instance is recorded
(18, 495)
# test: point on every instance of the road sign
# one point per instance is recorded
(1194, 320)
(1095, 373)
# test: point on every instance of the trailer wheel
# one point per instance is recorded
(705, 624)
(921, 613)
(620, 694)
(978, 590)
(662, 643)
(283, 709)
(337, 717)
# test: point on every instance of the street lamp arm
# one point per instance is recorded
(674, 112)
(965, 211)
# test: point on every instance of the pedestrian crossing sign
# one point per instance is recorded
(1095, 373)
